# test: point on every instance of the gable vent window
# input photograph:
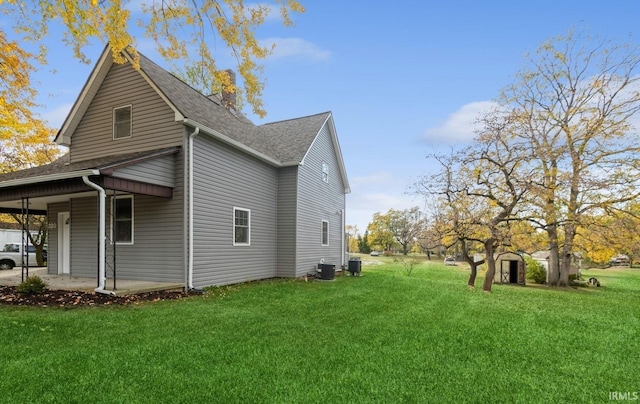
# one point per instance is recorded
(122, 122)
(325, 172)
(241, 226)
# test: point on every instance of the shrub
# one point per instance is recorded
(32, 285)
(535, 271)
(408, 264)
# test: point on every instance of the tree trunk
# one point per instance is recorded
(553, 269)
(472, 276)
(570, 231)
(474, 265)
(491, 265)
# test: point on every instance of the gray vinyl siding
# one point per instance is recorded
(225, 178)
(157, 253)
(84, 237)
(286, 234)
(159, 171)
(153, 121)
(52, 240)
(318, 201)
(157, 250)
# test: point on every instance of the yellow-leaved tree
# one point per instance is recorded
(25, 140)
(184, 31)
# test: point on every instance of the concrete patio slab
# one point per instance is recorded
(13, 277)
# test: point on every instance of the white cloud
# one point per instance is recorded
(295, 48)
(56, 116)
(376, 192)
(375, 179)
(460, 126)
(362, 206)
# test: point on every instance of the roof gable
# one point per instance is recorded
(294, 137)
(280, 143)
(89, 91)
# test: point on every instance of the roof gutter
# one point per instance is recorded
(102, 278)
(232, 142)
(49, 177)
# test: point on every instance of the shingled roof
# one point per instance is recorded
(62, 165)
(280, 143)
(284, 141)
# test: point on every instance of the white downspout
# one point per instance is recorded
(102, 278)
(190, 250)
(344, 251)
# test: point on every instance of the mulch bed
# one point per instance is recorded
(66, 298)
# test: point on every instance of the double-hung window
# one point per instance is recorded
(325, 232)
(325, 172)
(122, 220)
(241, 226)
(122, 122)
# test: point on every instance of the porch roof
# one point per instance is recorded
(56, 181)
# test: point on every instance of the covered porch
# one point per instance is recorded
(85, 222)
(13, 277)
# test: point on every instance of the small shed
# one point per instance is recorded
(543, 258)
(510, 269)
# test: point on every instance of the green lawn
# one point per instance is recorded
(381, 338)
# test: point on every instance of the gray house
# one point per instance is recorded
(162, 183)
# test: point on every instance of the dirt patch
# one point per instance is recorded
(66, 298)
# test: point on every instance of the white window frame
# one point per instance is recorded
(115, 122)
(113, 220)
(322, 233)
(244, 243)
(325, 172)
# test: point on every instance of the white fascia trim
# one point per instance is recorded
(47, 178)
(291, 164)
(63, 138)
(232, 142)
(336, 143)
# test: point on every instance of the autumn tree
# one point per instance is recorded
(574, 106)
(352, 238)
(456, 220)
(380, 234)
(482, 188)
(25, 139)
(363, 243)
(610, 233)
(182, 31)
(406, 225)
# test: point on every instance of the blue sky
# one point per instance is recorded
(403, 79)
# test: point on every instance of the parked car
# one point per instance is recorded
(620, 260)
(11, 255)
(450, 261)
(375, 253)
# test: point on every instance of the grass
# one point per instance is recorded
(381, 338)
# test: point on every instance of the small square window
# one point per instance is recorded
(122, 122)
(241, 226)
(325, 232)
(325, 172)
